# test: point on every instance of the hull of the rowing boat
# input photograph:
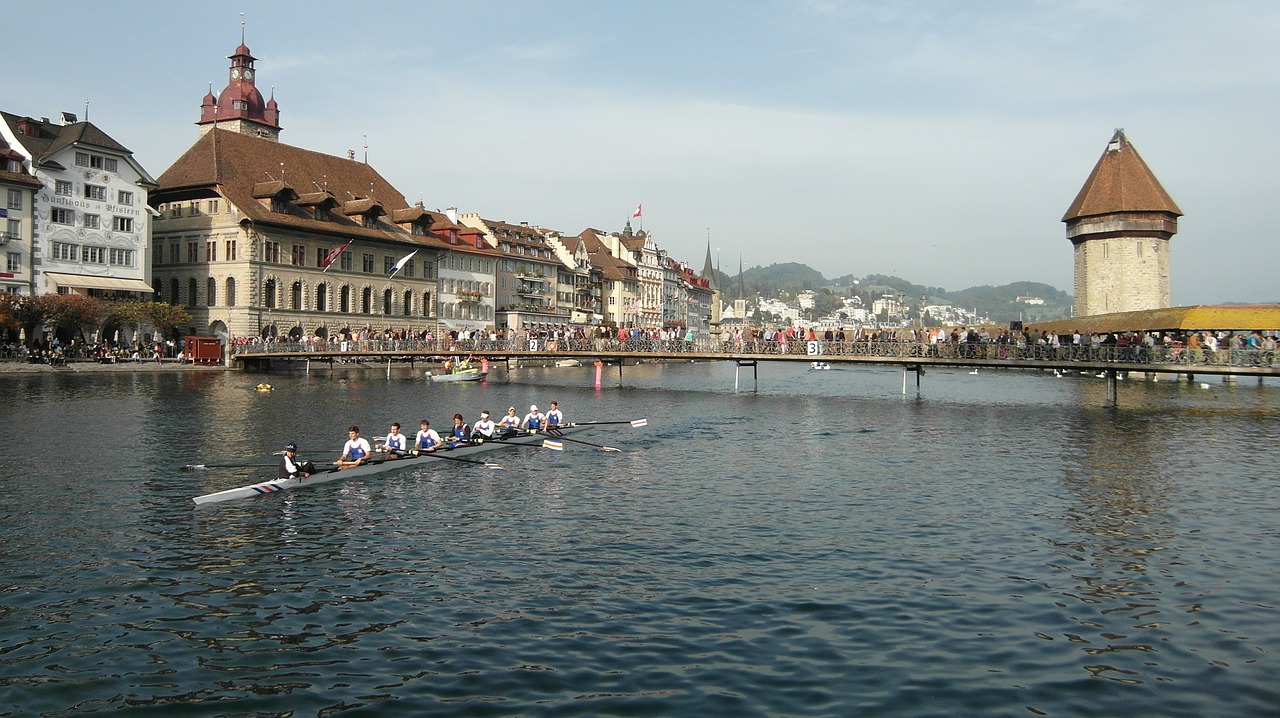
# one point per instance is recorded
(462, 452)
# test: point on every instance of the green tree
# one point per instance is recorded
(73, 314)
(166, 317)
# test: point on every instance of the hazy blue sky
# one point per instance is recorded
(939, 141)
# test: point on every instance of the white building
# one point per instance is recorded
(91, 226)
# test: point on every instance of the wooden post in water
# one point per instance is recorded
(1111, 388)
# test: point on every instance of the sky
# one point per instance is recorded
(934, 140)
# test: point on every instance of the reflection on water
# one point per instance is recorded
(998, 544)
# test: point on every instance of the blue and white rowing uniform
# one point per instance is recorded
(534, 420)
(394, 442)
(428, 439)
(356, 449)
(555, 417)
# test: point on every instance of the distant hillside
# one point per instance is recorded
(998, 303)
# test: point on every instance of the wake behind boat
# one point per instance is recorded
(461, 453)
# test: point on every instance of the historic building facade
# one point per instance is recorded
(18, 187)
(89, 221)
(258, 238)
(1120, 225)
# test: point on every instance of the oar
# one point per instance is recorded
(438, 455)
(634, 422)
(555, 439)
(238, 465)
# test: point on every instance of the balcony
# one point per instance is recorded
(6, 237)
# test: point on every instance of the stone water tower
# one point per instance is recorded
(1120, 224)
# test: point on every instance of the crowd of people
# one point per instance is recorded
(395, 444)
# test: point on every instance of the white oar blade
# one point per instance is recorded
(636, 423)
(553, 445)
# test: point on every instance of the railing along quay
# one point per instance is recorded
(910, 355)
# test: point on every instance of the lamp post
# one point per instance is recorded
(923, 298)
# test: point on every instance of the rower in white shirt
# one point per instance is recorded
(484, 429)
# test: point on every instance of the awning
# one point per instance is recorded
(83, 281)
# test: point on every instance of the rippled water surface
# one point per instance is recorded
(999, 544)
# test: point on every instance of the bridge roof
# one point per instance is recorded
(1217, 317)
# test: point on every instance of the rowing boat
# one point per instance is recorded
(378, 467)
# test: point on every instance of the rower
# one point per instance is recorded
(290, 467)
(460, 433)
(395, 444)
(428, 439)
(510, 424)
(555, 417)
(355, 452)
(483, 429)
(534, 420)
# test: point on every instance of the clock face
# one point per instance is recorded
(248, 75)
(235, 73)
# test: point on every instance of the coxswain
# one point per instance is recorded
(356, 451)
(484, 429)
(290, 467)
(395, 444)
(428, 439)
(534, 420)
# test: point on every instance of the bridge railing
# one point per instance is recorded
(963, 351)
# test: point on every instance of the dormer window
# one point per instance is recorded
(369, 220)
(321, 213)
(279, 205)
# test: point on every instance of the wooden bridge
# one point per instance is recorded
(913, 357)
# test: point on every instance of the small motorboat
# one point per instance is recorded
(468, 374)
(819, 365)
(569, 362)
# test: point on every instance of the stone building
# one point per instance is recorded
(1120, 225)
(259, 238)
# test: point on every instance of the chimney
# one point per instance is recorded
(452, 214)
(351, 154)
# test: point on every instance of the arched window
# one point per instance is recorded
(296, 295)
(211, 293)
(386, 302)
(231, 291)
(426, 304)
(344, 299)
(269, 294)
(322, 295)
(366, 301)
(174, 298)
(407, 306)
(191, 292)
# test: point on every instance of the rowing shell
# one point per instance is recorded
(377, 467)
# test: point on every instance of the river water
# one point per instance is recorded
(998, 544)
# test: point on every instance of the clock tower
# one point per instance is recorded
(239, 107)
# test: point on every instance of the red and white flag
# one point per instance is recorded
(637, 213)
(333, 255)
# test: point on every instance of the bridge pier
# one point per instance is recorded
(1112, 388)
(755, 372)
(918, 369)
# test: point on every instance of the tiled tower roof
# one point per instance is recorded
(1120, 182)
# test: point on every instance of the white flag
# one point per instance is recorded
(400, 265)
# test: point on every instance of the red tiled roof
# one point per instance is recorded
(1120, 182)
